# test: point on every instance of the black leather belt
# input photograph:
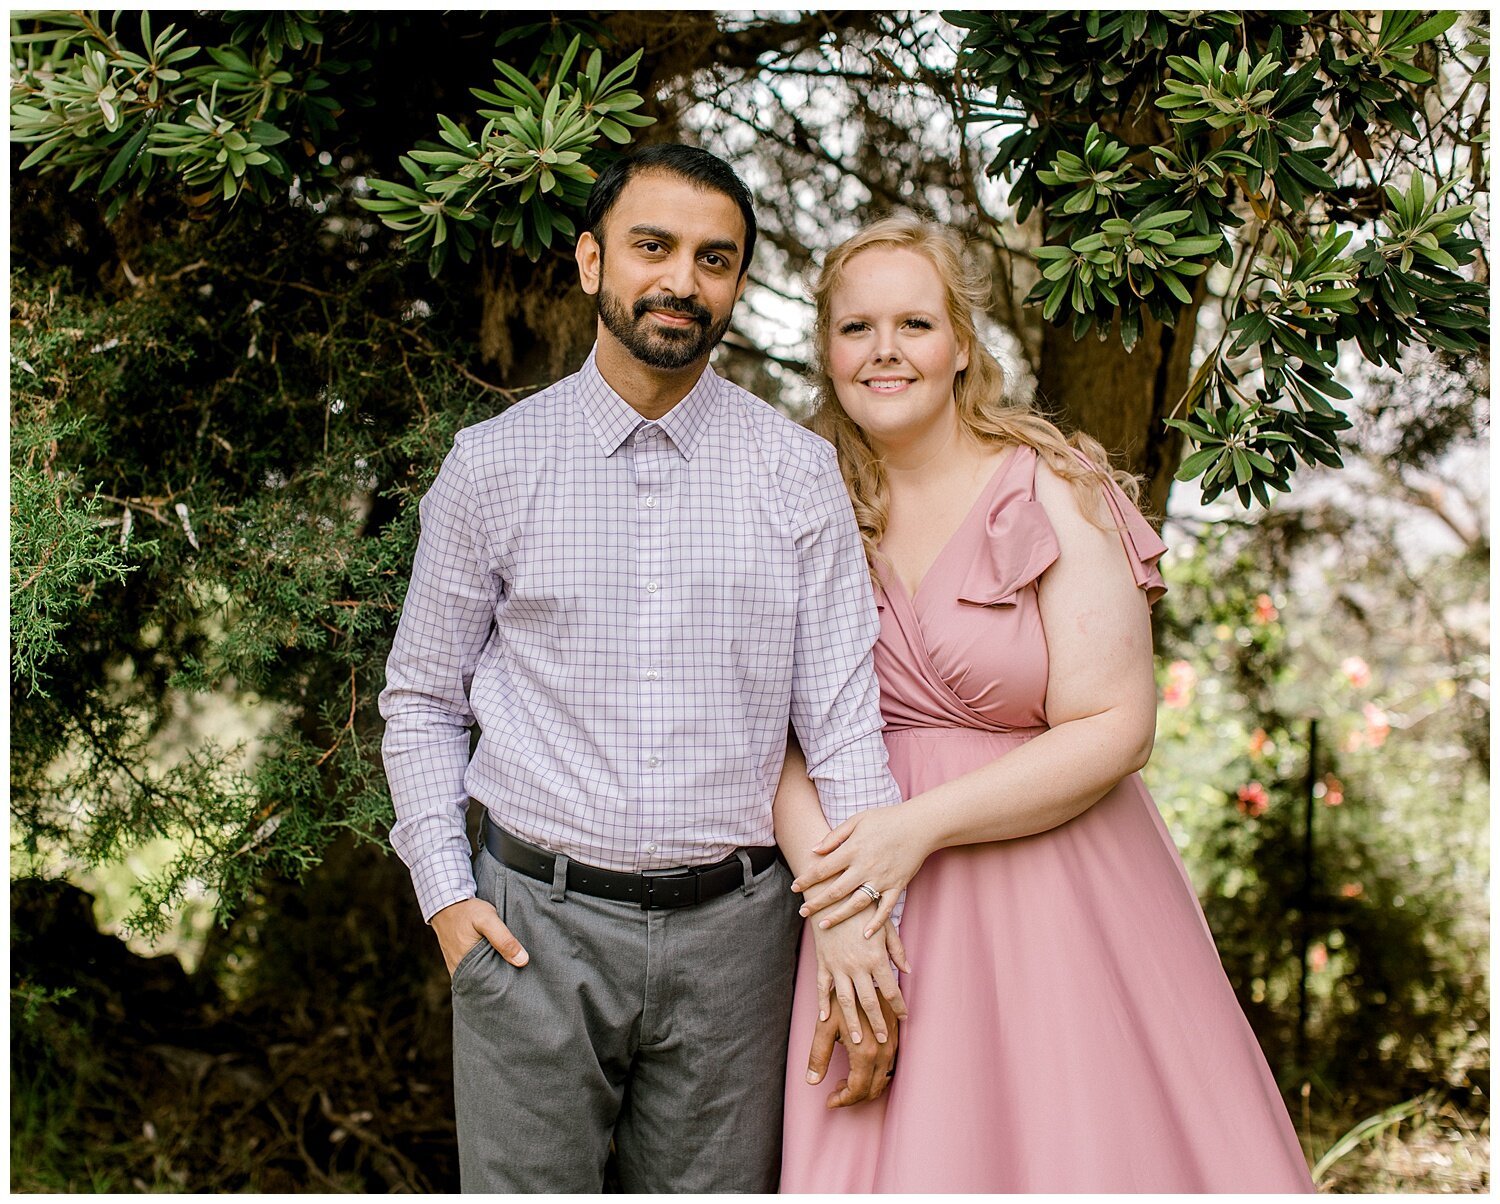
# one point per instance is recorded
(668, 888)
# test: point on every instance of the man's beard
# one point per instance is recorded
(665, 347)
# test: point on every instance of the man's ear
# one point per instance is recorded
(590, 257)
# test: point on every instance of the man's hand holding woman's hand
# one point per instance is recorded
(462, 925)
(871, 1063)
(858, 999)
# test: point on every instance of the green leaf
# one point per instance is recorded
(520, 83)
(1309, 171)
(569, 55)
(1197, 463)
(1197, 432)
(1054, 300)
(1412, 75)
(1172, 217)
(42, 151)
(1184, 247)
(1242, 472)
(123, 158)
(1333, 388)
(1439, 256)
(1430, 28)
(1175, 287)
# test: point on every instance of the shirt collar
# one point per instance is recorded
(613, 419)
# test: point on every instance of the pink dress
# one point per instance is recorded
(1071, 1027)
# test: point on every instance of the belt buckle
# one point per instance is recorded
(648, 899)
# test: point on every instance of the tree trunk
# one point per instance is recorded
(1121, 398)
(535, 324)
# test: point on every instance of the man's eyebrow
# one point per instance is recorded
(655, 232)
(714, 244)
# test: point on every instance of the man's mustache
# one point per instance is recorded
(676, 305)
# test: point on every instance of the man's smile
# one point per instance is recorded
(669, 318)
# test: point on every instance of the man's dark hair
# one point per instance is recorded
(686, 162)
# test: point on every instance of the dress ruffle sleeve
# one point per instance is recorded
(1143, 546)
(1020, 545)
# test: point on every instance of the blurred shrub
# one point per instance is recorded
(1391, 661)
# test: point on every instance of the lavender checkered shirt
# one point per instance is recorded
(631, 611)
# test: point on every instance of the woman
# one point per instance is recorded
(1070, 1026)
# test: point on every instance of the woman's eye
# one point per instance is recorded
(919, 323)
(851, 327)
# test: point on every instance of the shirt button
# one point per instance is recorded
(652, 762)
(651, 848)
(651, 503)
(651, 587)
(652, 674)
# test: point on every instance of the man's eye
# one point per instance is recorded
(715, 261)
(651, 247)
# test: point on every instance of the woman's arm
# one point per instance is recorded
(1101, 708)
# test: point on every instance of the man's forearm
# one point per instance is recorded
(425, 765)
(800, 822)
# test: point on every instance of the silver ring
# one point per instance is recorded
(871, 891)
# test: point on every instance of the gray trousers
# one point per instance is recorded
(666, 1030)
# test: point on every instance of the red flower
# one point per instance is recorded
(1181, 678)
(1265, 609)
(1333, 791)
(1351, 890)
(1252, 799)
(1258, 741)
(1355, 671)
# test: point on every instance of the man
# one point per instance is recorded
(631, 581)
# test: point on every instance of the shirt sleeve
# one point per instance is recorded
(835, 707)
(445, 624)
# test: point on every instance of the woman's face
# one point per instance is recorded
(892, 350)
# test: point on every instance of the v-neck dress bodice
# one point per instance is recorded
(1071, 1026)
(967, 649)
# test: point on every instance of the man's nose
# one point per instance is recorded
(679, 275)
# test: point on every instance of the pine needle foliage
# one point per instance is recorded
(221, 542)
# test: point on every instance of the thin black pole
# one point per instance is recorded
(1304, 907)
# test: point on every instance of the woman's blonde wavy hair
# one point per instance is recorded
(978, 390)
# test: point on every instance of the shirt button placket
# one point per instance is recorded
(655, 461)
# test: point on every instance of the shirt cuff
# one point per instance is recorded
(840, 802)
(442, 878)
